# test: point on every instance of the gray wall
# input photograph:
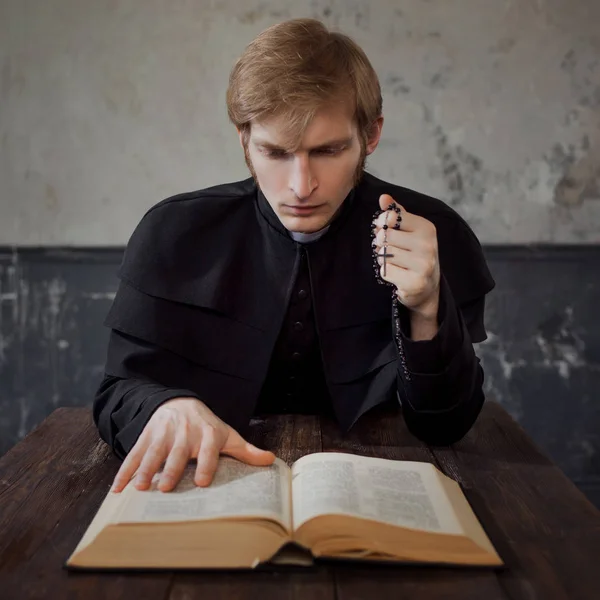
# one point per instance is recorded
(109, 106)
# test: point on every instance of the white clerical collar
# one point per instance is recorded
(305, 238)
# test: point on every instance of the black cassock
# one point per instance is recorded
(208, 301)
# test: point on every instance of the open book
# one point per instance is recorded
(326, 505)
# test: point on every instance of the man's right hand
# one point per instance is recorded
(181, 429)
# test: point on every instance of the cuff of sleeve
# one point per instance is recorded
(433, 356)
(130, 432)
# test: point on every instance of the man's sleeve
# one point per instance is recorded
(123, 405)
(176, 310)
(440, 381)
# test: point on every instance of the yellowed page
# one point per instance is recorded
(237, 490)
(465, 515)
(403, 493)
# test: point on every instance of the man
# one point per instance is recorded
(260, 296)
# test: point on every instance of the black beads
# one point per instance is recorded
(385, 227)
(398, 336)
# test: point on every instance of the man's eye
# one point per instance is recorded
(328, 151)
(276, 154)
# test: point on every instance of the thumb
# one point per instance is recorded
(385, 200)
(239, 448)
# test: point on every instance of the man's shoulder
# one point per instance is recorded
(452, 229)
(186, 225)
(414, 202)
(460, 252)
(217, 198)
(195, 215)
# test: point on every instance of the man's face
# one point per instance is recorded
(305, 188)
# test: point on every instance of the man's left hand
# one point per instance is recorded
(412, 264)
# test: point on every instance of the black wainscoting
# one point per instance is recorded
(542, 358)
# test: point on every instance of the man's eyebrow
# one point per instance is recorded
(330, 144)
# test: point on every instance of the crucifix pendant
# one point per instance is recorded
(384, 254)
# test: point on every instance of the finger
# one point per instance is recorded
(385, 200)
(176, 463)
(239, 448)
(131, 463)
(208, 457)
(407, 282)
(400, 258)
(399, 239)
(408, 220)
(389, 218)
(153, 458)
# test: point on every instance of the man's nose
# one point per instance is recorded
(302, 182)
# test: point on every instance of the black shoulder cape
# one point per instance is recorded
(205, 283)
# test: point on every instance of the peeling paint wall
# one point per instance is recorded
(541, 359)
(52, 343)
(542, 355)
(108, 106)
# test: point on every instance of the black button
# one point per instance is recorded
(296, 356)
(298, 326)
(302, 294)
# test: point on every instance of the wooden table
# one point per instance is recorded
(548, 533)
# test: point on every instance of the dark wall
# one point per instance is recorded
(542, 358)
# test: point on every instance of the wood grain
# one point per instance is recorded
(548, 533)
(383, 433)
(545, 529)
(52, 484)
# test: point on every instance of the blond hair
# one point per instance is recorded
(293, 69)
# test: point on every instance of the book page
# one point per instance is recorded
(403, 493)
(237, 490)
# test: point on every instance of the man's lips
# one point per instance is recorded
(300, 209)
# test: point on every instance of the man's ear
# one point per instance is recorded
(374, 135)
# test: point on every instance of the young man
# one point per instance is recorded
(263, 295)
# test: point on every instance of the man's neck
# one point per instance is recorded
(306, 238)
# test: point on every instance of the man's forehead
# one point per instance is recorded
(323, 130)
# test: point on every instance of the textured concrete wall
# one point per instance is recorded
(108, 106)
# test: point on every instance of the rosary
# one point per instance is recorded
(384, 253)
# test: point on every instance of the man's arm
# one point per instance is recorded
(439, 377)
(150, 424)
(122, 407)
(440, 380)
